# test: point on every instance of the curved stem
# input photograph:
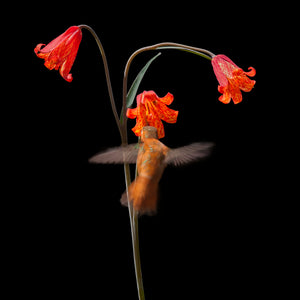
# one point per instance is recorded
(202, 52)
(110, 91)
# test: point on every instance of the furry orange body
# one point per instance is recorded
(150, 166)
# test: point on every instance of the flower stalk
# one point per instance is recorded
(108, 81)
(133, 217)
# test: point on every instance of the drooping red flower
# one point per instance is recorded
(232, 79)
(61, 52)
(150, 110)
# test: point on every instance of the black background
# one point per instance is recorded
(214, 231)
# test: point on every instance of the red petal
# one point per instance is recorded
(241, 81)
(251, 73)
(65, 68)
(140, 121)
(222, 79)
(167, 114)
(157, 123)
(236, 95)
(223, 68)
(168, 99)
(131, 113)
(227, 59)
(38, 48)
(67, 34)
(247, 85)
(225, 98)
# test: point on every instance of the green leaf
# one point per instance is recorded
(135, 85)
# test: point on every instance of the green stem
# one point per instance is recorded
(133, 216)
(138, 268)
(110, 91)
(186, 50)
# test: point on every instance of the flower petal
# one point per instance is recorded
(157, 123)
(65, 68)
(223, 68)
(235, 94)
(242, 81)
(60, 39)
(141, 120)
(131, 113)
(247, 85)
(251, 73)
(166, 114)
(222, 79)
(168, 99)
(225, 98)
(37, 49)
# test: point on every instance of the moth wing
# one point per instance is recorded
(187, 154)
(117, 155)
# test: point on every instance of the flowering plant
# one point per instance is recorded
(150, 155)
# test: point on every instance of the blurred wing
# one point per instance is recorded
(188, 154)
(117, 155)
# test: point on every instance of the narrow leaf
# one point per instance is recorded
(135, 85)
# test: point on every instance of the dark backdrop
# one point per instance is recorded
(210, 237)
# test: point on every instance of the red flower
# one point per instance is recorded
(150, 111)
(232, 79)
(61, 52)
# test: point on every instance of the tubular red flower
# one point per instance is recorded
(150, 110)
(61, 52)
(232, 79)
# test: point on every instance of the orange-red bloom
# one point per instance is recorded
(150, 111)
(61, 52)
(232, 79)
